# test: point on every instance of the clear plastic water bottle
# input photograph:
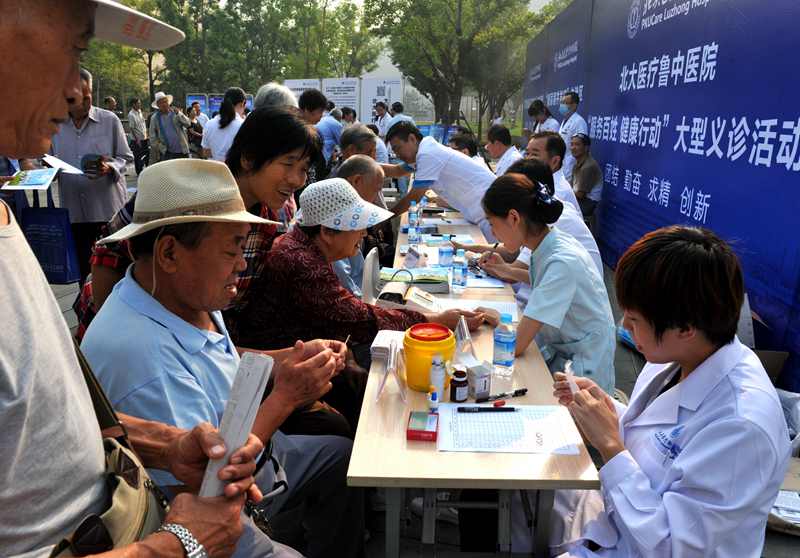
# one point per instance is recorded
(413, 215)
(445, 252)
(423, 203)
(460, 269)
(505, 342)
(413, 235)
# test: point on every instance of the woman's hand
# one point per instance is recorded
(596, 417)
(562, 391)
(449, 318)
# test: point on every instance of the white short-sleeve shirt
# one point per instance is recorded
(219, 140)
(564, 191)
(456, 177)
(510, 157)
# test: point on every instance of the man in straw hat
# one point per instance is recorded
(176, 362)
(168, 136)
(51, 451)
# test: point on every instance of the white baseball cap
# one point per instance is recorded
(335, 204)
(118, 23)
(185, 191)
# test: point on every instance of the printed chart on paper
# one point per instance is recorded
(546, 429)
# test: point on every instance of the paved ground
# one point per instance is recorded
(628, 364)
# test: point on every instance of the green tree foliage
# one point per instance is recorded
(447, 46)
(243, 43)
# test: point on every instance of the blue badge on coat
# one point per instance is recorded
(666, 442)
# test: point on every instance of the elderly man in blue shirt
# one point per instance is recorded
(176, 362)
(330, 130)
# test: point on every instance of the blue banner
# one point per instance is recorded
(693, 119)
(202, 99)
(214, 103)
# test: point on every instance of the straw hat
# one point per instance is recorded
(185, 191)
(334, 204)
(120, 24)
(161, 95)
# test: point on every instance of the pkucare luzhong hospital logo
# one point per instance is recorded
(646, 14)
(634, 18)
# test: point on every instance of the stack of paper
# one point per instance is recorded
(382, 343)
(787, 506)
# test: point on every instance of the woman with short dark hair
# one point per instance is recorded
(693, 464)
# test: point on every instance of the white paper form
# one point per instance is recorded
(543, 429)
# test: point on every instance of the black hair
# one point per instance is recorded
(108, 98)
(357, 136)
(188, 235)
(195, 103)
(347, 111)
(135, 100)
(269, 133)
(374, 128)
(311, 100)
(465, 141)
(531, 200)
(500, 133)
(233, 96)
(574, 97)
(555, 145)
(381, 104)
(536, 171)
(397, 106)
(464, 130)
(538, 107)
(697, 278)
(402, 130)
(330, 105)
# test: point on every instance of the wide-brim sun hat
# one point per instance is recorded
(335, 204)
(161, 95)
(120, 24)
(185, 191)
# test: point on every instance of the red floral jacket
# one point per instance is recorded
(298, 296)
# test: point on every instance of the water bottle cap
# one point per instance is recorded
(460, 252)
(413, 203)
(506, 318)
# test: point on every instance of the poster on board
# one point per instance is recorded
(197, 98)
(299, 85)
(342, 91)
(373, 90)
(214, 103)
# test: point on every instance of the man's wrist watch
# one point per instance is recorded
(191, 546)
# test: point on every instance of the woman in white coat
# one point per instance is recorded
(693, 464)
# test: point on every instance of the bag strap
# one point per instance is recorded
(107, 419)
(50, 202)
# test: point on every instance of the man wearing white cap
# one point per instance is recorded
(168, 130)
(51, 454)
(176, 362)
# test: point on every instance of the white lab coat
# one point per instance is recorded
(702, 466)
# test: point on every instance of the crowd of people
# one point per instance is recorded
(247, 233)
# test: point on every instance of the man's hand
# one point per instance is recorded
(215, 522)
(301, 379)
(491, 316)
(339, 349)
(188, 456)
(103, 169)
(596, 417)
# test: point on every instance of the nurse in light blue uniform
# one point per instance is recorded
(693, 464)
(568, 312)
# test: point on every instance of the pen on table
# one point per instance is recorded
(486, 409)
(516, 393)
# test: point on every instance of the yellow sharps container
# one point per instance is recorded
(421, 342)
